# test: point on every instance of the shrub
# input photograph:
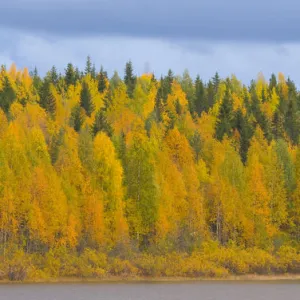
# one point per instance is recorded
(120, 267)
(18, 266)
(288, 259)
(92, 264)
(52, 264)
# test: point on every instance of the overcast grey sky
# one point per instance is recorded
(203, 36)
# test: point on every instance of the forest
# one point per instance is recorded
(134, 176)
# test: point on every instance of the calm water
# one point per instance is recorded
(154, 291)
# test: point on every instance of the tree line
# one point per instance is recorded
(147, 165)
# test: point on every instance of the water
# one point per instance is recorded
(154, 291)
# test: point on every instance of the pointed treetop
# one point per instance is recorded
(129, 78)
(88, 65)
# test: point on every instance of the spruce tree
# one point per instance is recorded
(86, 101)
(77, 117)
(243, 126)
(7, 95)
(216, 82)
(292, 121)
(70, 75)
(77, 75)
(102, 80)
(37, 81)
(272, 83)
(101, 124)
(47, 99)
(210, 94)
(129, 79)
(167, 84)
(88, 65)
(225, 118)
(93, 72)
(53, 75)
(293, 93)
(200, 100)
(278, 125)
(159, 102)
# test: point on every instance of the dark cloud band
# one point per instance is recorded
(260, 21)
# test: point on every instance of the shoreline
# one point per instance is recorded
(119, 279)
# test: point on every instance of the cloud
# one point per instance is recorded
(226, 36)
(244, 59)
(217, 20)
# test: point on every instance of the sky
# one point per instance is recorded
(226, 36)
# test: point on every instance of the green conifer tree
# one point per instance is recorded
(77, 117)
(88, 65)
(243, 126)
(47, 99)
(225, 118)
(86, 101)
(292, 121)
(53, 75)
(102, 80)
(278, 125)
(93, 71)
(200, 102)
(70, 75)
(7, 95)
(129, 79)
(210, 94)
(216, 82)
(272, 82)
(101, 124)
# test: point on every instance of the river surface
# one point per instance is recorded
(154, 291)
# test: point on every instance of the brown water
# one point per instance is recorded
(154, 291)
